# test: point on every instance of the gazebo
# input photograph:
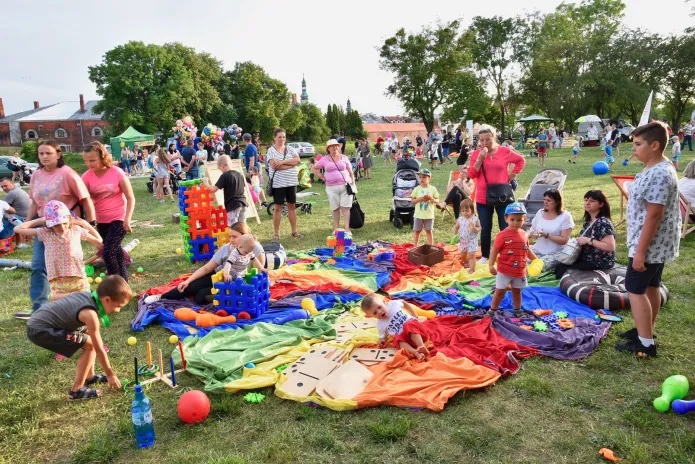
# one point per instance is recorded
(130, 137)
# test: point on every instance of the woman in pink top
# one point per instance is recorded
(52, 181)
(114, 203)
(496, 160)
(337, 175)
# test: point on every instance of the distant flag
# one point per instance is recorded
(647, 109)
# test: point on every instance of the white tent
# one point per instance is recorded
(584, 123)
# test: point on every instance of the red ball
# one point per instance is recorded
(221, 313)
(243, 315)
(193, 407)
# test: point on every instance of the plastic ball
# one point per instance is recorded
(141, 270)
(625, 162)
(178, 251)
(221, 313)
(173, 339)
(243, 316)
(132, 341)
(97, 280)
(90, 280)
(309, 305)
(250, 365)
(600, 168)
(102, 275)
(193, 407)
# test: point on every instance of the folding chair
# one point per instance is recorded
(687, 213)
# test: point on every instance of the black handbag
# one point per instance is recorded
(348, 186)
(497, 194)
(269, 187)
(356, 215)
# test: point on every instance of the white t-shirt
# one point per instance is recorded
(284, 177)
(397, 317)
(4, 206)
(657, 185)
(544, 246)
(687, 188)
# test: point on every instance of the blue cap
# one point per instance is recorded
(515, 208)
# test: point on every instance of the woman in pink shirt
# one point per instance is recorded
(495, 161)
(52, 181)
(337, 175)
(114, 203)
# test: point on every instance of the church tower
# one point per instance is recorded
(349, 105)
(305, 96)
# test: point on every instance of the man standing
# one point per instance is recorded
(615, 137)
(20, 202)
(250, 153)
(189, 159)
(688, 135)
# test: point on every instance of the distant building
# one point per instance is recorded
(349, 106)
(72, 124)
(410, 130)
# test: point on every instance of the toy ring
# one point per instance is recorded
(146, 371)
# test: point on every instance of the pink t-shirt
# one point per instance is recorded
(335, 175)
(63, 252)
(63, 184)
(108, 198)
(496, 170)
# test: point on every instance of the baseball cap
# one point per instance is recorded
(515, 208)
(425, 172)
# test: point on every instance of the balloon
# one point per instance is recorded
(206, 131)
(309, 305)
(193, 407)
(388, 134)
(600, 168)
(122, 144)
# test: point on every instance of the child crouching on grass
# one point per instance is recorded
(71, 323)
(397, 319)
(511, 250)
(653, 235)
(61, 236)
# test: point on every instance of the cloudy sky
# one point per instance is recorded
(47, 49)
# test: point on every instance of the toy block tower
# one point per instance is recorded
(203, 225)
(339, 241)
(249, 295)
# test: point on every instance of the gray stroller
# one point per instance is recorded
(550, 178)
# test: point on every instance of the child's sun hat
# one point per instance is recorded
(55, 212)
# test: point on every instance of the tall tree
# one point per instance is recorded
(678, 86)
(259, 100)
(332, 119)
(428, 68)
(355, 129)
(496, 41)
(314, 128)
(342, 119)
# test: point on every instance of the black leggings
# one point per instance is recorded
(200, 289)
(112, 234)
(454, 198)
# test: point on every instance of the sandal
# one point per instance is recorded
(276, 238)
(297, 235)
(96, 378)
(83, 393)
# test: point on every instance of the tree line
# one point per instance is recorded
(579, 59)
(150, 86)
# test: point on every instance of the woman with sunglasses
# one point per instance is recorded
(551, 228)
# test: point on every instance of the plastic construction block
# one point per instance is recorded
(203, 248)
(191, 183)
(331, 241)
(221, 238)
(339, 234)
(218, 220)
(239, 296)
(199, 196)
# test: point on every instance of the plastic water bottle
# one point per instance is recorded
(142, 419)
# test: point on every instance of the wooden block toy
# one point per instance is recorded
(373, 354)
(329, 352)
(346, 382)
(304, 374)
(361, 325)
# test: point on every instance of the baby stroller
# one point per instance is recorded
(404, 181)
(356, 163)
(173, 181)
(551, 178)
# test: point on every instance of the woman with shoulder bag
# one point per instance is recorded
(489, 169)
(283, 178)
(597, 237)
(340, 182)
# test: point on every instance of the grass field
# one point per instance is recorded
(550, 412)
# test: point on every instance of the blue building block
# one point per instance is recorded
(198, 248)
(238, 296)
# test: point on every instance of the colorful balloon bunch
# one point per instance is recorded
(234, 132)
(212, 135)
(185, 129)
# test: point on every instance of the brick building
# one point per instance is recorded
(72, 124)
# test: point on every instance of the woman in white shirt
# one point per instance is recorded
(686, 185)
(551, 227)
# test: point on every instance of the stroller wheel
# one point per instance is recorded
(398, 222)
(391, 216)
(270, 208)
(284, 210)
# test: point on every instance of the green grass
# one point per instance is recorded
(551, 411)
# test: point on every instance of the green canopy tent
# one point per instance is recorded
(535, 118)
(129, 138)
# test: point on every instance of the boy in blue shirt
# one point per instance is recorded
(608, 152)
(250, 153)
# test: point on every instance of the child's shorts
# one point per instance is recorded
(610, 160)
(470, 246)
(637, 282)
(676, 158)
(419, 224)
(502, 281)
(61, 341)
(542, 150)
(69, 285)
(575, 153)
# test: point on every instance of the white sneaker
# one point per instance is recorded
(482, 260)
(22, 246)
(152, 298)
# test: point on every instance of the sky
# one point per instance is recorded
(47, 49)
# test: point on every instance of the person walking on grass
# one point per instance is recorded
(653, 235)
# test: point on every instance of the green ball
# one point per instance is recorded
(102, 275)
(141, 269)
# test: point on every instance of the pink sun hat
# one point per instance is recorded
(55, 212)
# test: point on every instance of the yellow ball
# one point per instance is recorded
(173, 339)
(98, 280)
(132, 341)
(90, 280)
(309, 305)
(178, 251)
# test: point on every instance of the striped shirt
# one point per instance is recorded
(285, 177)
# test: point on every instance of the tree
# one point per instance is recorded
(314, 128)
(678, 84)
(355, 129)
(429, 67)
(496, 40)
(332, 119)
(259, 100)
(341, 117)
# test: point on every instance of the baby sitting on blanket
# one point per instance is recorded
(397, 319)
(240, 257)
